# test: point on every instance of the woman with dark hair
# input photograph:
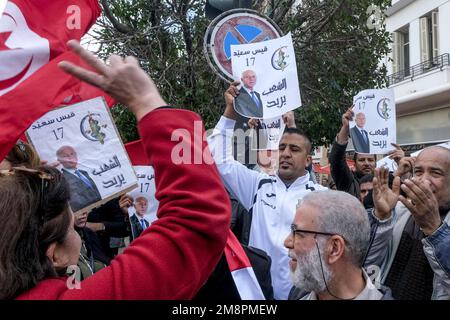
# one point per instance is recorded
(21, 155)
(38, 238)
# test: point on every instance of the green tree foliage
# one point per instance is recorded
(337, 55)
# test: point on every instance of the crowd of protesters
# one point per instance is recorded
(379, 235)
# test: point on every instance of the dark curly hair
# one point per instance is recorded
(34, 214)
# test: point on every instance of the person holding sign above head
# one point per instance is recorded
(359, 136)
(346, 179)
(83, 190)
(271, 199)
(137, 220)
(248, 103)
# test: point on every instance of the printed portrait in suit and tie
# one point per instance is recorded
(83, 190)
(137, 220)
(359, 135)
(248, 103)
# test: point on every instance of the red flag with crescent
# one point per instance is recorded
(33, 37)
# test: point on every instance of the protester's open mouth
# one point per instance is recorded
(285, 164)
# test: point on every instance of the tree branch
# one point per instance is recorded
(123, 28)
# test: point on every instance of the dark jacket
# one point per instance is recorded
(345, 179)
(136, 228)
(80, 194)
(246, 106)
(115, 223)
(358, 140)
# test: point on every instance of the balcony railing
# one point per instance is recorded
(438, 62)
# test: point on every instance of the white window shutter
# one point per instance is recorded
(424, 43)
(397, 52)
(435, 32)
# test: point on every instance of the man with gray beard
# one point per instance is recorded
(327, 245)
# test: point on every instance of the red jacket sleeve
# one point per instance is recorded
(174, 257)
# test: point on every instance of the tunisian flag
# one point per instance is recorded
(241, 270)
(33, 37)
(238, 263)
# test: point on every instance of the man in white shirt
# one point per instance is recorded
(271, 199)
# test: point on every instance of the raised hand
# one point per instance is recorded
(405, 166)
(289, 119)
(125, 202)
(343, 134)
(123, 80)
(384, 198)
(231, 93)
(253, 123)
(422, 204)
(396, 154)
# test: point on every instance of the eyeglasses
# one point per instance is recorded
(295, 230)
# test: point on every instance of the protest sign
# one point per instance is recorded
(268, 74)
(268, 134)
(374, 126)
(145, 206)
(84, 140)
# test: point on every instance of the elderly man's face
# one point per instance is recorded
(360, 120)
(68, 158)
(249, 79)
(305, 263)
(434, 165)
(141, 206)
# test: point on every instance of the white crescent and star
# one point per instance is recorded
(28, 50)
(6, 83)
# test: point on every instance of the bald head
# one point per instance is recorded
(141, 205)
(439, 153)
(67, 156)
(249, 79)
(340, 213)
(433, 165)
(360, 119)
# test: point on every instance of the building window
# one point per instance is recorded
(429, 36)
(400, 51)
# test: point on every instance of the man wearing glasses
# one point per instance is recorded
(327, 246)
